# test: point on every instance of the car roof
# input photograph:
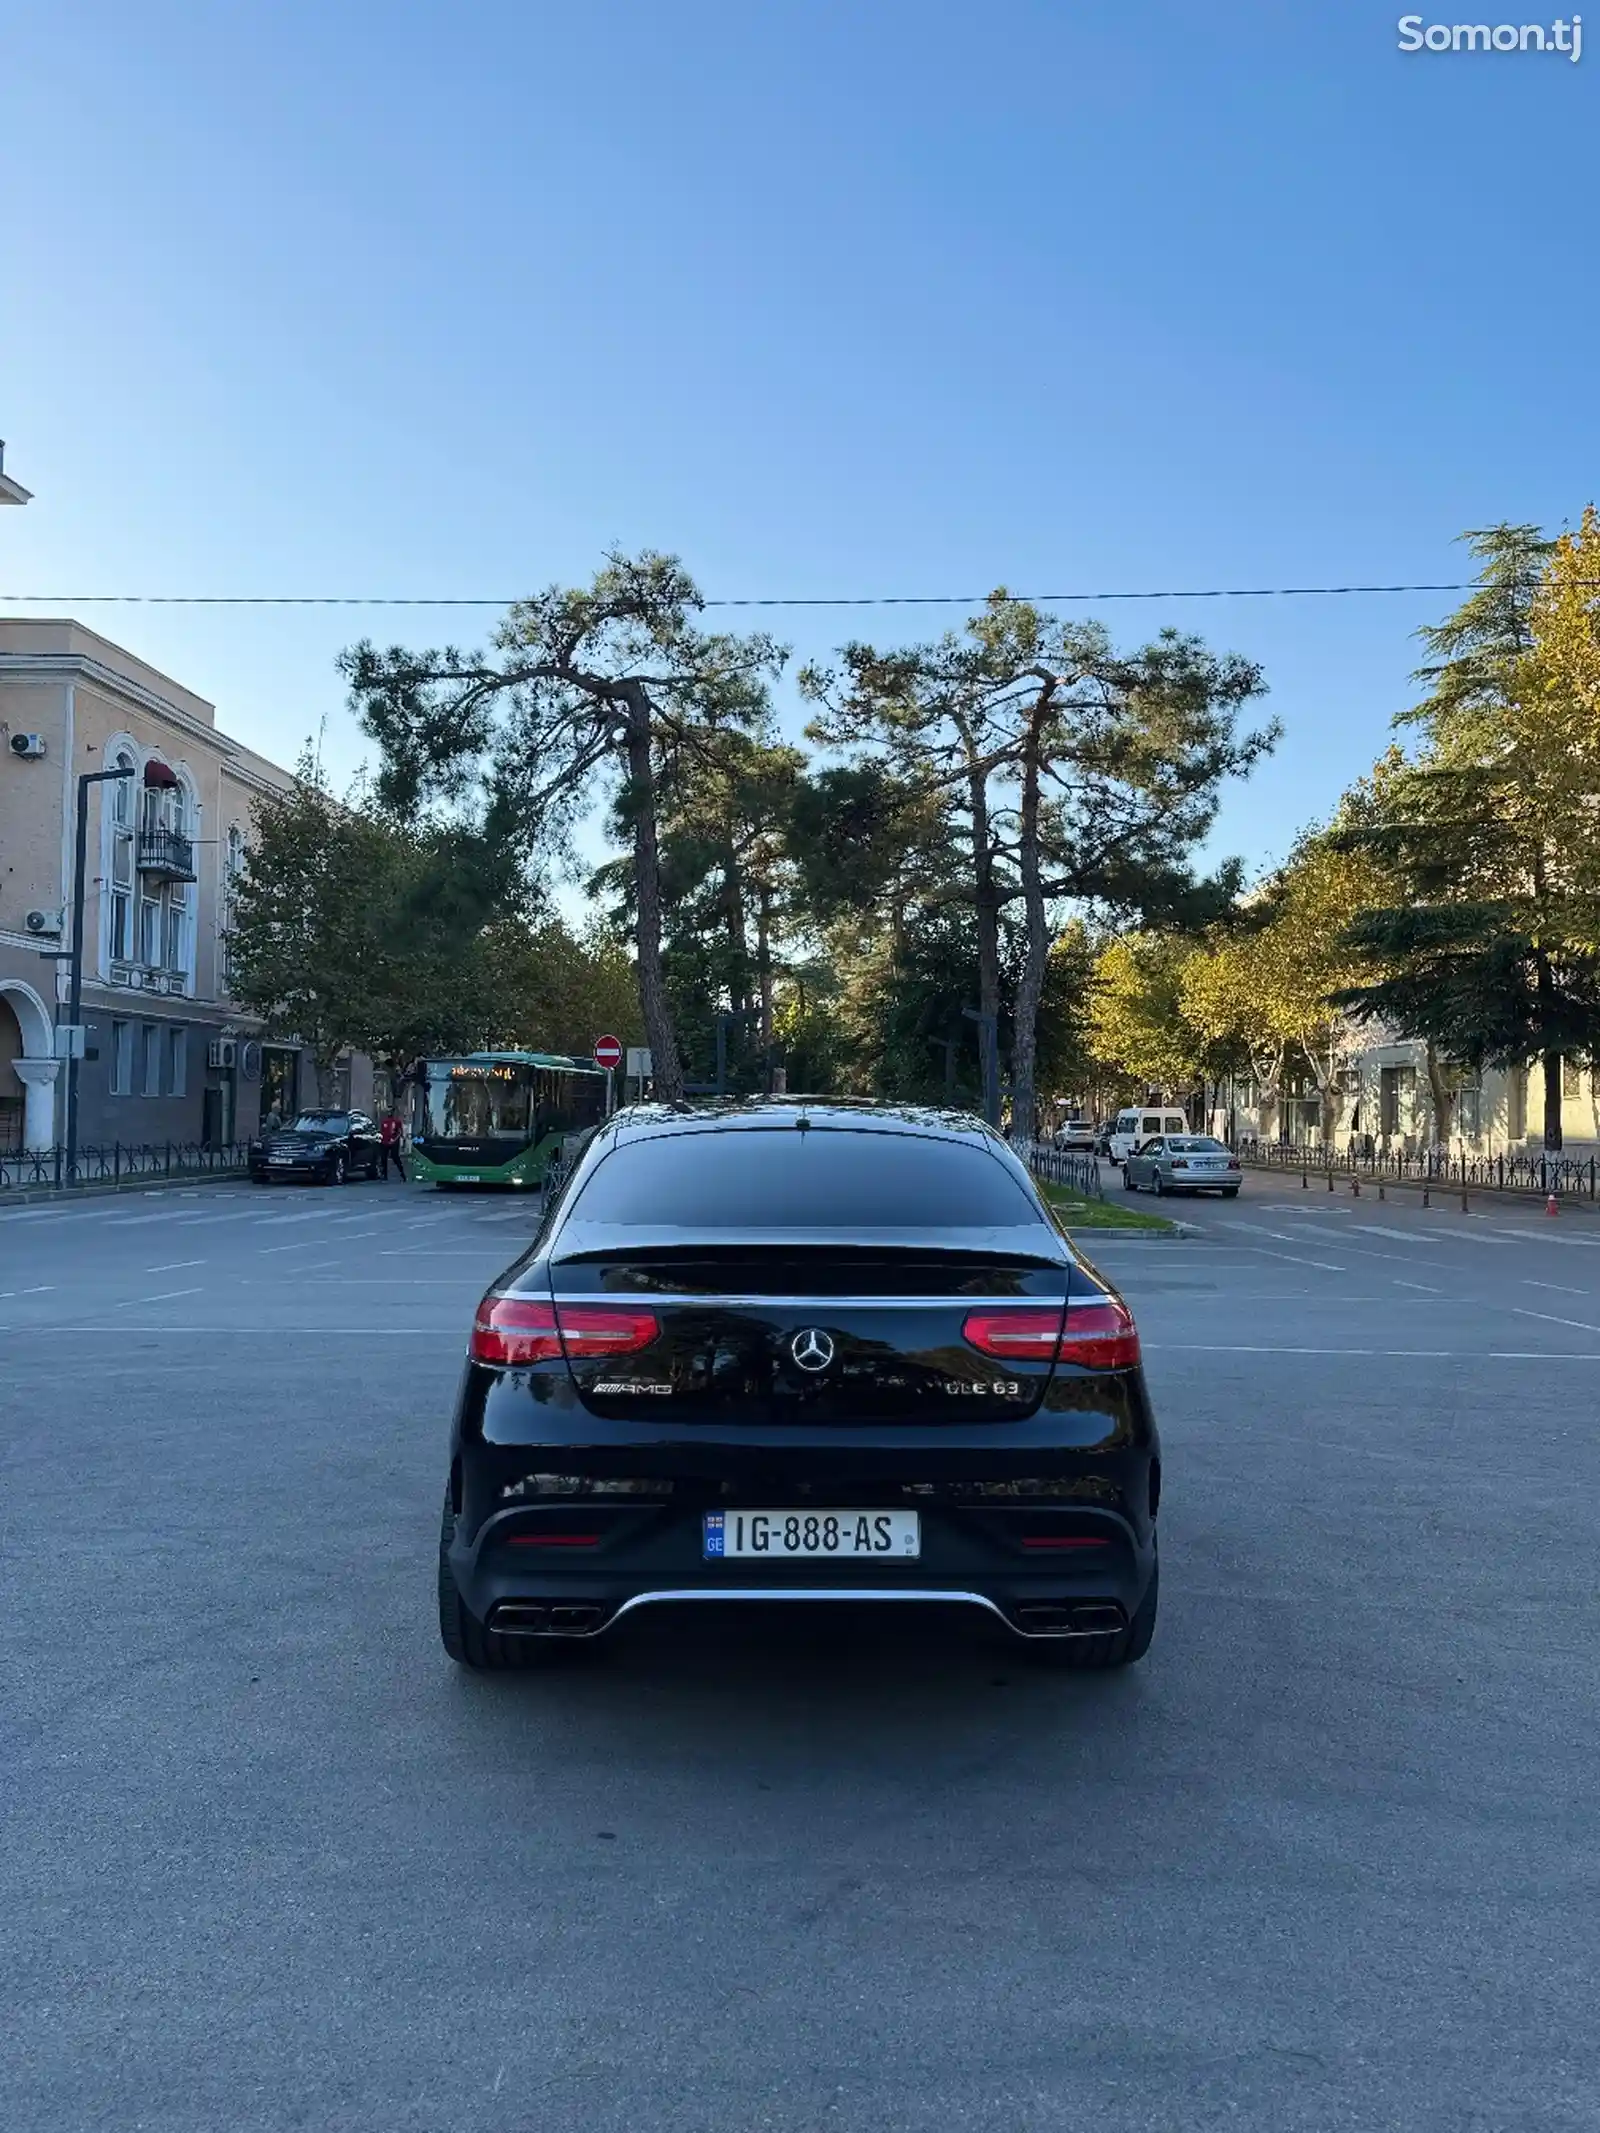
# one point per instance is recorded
(802, 1113)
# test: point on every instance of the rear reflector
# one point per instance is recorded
(555, 1540)
(521, 1329)
(1061, 1540)
(1099, 1336)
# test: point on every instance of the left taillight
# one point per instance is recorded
(522, 1329)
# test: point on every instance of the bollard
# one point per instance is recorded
(1382, 1195)
(1330, 1181)
(1355, 1188)
(1463, 1199)
(1424, 1195)
(1551, 1207)
(1304, 1181)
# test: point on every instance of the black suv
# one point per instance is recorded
(804, 1353)
(324, 1147)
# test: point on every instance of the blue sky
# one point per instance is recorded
(828, 299)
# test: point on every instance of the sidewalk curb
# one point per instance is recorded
(112, 1189)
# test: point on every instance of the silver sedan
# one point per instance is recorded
(1183, 1162)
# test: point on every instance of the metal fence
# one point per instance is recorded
(1574, 1177)
(1064, 1166)
(119, 1162)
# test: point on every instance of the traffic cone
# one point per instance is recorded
(1551, 1206)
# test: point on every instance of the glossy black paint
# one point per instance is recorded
(318, 1156)
(587, 1479)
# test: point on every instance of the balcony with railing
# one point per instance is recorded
(167, 852)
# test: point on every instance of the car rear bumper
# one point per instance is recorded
(1033, 1621)
(1069, 1550)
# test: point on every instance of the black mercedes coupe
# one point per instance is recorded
(805, 1352)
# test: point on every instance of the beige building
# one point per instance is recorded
(167, 1055)
(1386, 1104)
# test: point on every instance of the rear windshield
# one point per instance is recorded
(1197, 1144)
(824, 1179)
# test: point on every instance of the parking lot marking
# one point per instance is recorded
(1543, 1236)
(1427, 1288)
(1583, 1325)
(173, 1266)
(1428, 1355)
(57, 1327)
(165, 1296)
(1323, 1266)
(1560, 1287)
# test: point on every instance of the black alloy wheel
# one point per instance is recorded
(336, 1168)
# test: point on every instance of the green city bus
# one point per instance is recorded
(501, 1118)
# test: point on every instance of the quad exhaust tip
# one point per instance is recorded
(534, 1618)
(1079, 1618)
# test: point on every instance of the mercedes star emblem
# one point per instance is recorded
(812, 1349)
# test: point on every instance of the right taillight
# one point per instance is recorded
(511, 1330)
(1015, 1335)
(1100, 1336)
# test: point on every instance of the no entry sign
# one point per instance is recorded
(607, 1052)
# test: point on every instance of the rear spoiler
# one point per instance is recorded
(1032, 1242)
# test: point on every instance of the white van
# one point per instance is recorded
(1131, 1129)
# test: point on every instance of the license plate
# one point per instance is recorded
(893, 1534)
(284, 1160)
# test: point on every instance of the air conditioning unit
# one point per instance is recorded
(44, 921)
(224, 1052)
(27, 747)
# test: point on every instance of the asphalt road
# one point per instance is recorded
(1328, 1859)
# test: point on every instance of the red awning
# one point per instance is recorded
(156, 773)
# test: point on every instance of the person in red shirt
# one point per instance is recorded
(389, 1133)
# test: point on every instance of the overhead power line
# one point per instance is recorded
(973, 600)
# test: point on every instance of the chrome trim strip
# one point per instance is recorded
(932, 1597)
(816, 1304)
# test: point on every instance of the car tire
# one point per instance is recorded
(464, 1637)
(1127, 1183)
(1230, 1192)
(1156, 1185)
(336, 1171)
(1098, 1655)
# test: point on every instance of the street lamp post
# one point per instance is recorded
(75, 955)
